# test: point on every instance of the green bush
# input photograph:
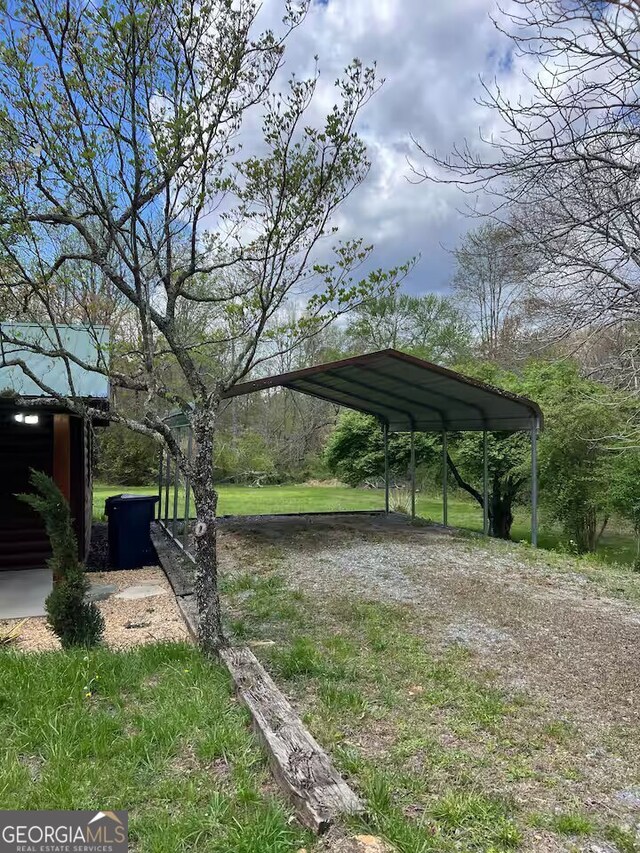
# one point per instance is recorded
(355, 450)
(625, 492)
(125, 457)
(75, 621)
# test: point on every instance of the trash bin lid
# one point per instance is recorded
(115, 501)
(127, 497)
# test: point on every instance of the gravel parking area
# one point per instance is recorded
(557, 638)
(129, 621)
(533, 616)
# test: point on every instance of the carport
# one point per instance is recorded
(406, 394)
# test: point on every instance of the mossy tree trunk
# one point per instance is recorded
(211, 633)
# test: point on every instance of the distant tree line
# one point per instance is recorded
(490, 327)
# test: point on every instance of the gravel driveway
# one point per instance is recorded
(532, 616)
(558, 635)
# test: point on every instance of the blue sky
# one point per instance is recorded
(432, 55)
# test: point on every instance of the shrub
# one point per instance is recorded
(400, 501)
(75, 621)
(355, 450)
(125, 457)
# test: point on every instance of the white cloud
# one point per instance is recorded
(432, 55)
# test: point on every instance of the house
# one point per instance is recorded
(37, 431)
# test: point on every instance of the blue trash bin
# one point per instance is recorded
(129, 518)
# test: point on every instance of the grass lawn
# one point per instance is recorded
(154, 731)
(617, 545)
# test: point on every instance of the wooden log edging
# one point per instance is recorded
(179, 569)
(301, 767)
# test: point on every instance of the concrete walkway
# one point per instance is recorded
(23, 592)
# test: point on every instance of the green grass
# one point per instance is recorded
(617, 545)
(572, 823)
(153, 731)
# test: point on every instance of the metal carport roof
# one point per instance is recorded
(406, 393)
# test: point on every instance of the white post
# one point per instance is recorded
(444, 478)
(534, 483)
(485, 485)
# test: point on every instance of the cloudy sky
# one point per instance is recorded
(432, 54)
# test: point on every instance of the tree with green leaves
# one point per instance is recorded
(577, 466)
(354, 451)
(508, 473)
(427, 326)
(583, 423)
(625, 491)
(74, 620)
(121, 133)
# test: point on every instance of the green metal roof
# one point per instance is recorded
(404, 392)
(35, 345)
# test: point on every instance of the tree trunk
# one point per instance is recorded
(500, 510)
(206, 499)
(500, 504)
(500, 516)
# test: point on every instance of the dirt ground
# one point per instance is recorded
(127, 622)
(548, 632)
(547, 626)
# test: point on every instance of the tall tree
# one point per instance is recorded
(121, 129)
(566, 155)
(490, 280)
(428, 326)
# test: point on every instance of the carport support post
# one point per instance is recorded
(385, 433)
(187, 492)
(534, 483)
(176, 486)
(160, 483)
(485, 485)
(413, 475)
(166, 490)
(444, 478)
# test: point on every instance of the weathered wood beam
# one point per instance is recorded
(300, 765)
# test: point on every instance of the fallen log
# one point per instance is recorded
(300, 765)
